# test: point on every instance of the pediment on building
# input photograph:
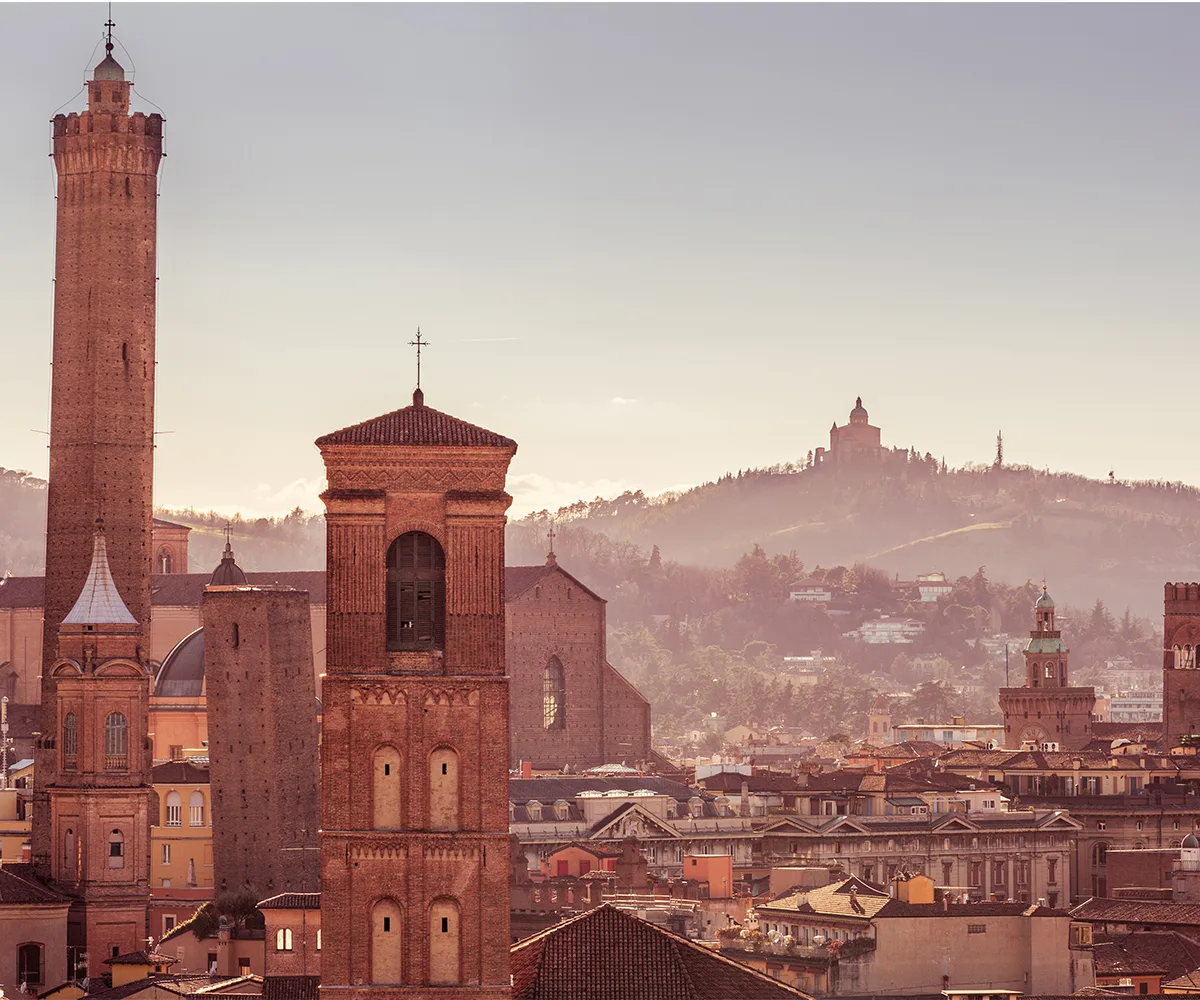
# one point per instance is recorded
(954, 822)
(845, 824)
(631, 820)
(66, 668)
(788, 824)
(120, 668)
(1059, 821)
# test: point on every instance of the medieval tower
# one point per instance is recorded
(101, 794)
(102, 388)
(414, 776)
(1047, 711)
(1181, 679)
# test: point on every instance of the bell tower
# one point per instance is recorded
(101, 794)
(414, 775)
(102, 387)
(1181, 678)
(1047, 710)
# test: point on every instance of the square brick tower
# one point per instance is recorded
(414, 760)
(101, 793)
(102, 387)
(1181, 678)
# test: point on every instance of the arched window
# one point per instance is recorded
(444, 963)
(387, 954)
(443, 789)
(165, 562)
(196, 808)
(283, 939)
(174, 809)
(69, 853)
(116, 740)
(416, 593)
(554, 696)
(385, 789)
(191, 873)
(116, 850)
(70, 735)
(1100, 855)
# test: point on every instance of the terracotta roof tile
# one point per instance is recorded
(18, 884)
(180, 772)
(610, 954)
(142, 957)
(291, 987)
(420, 426)
(1164, 953)
(292, 901)
(1137, 911)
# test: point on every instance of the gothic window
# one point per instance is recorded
(165, 562)
(174, 809)
(443, 789)
(416, 593)
(196, 809)
(554, 696)
(385, 799)
(116, 737)
(70, 735)
(386, 942)
(444, 962)
(116, 850)
(29, 966)
(283, 939)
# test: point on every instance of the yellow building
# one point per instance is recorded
(14, 812)
(181, 840)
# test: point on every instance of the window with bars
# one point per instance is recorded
(416, 593)
(70, 735)
(554, 695)
(116, 736)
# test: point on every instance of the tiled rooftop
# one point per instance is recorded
(420, 426)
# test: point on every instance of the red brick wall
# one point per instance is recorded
(557, 618)
(262, 739)
(1181, 688)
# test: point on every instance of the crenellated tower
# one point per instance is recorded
(1181, 650)
(1047, 711)
(414, 775)
(102, 387)
(101, 795)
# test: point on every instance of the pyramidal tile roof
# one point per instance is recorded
(417, 425)
(608, 953)
(99, 603)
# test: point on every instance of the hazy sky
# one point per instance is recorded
(651, 243)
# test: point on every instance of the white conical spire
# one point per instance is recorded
(99, 603)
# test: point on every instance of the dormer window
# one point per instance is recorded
(416, 593)
(534, 808)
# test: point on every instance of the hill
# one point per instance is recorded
(1119, 540)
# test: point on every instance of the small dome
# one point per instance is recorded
(229, 573)
(109, 69)
(859, 414)
(182, 672)
(1045, 601)
(1190, 842)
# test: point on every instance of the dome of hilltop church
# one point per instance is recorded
(1190, 842)
(182, 672)
(859, 414)
(1045, 601)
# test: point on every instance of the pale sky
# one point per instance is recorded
(651, 243)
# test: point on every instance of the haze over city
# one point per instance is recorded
(661, 242)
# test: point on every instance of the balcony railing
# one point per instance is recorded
(113, 762)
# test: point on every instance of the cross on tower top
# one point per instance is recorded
(228, 532)
(109, 25)
(418, 344)
(551, 560)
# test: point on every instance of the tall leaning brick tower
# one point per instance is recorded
(414, 754)
(102, 387)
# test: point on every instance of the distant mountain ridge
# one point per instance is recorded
(1087, 537)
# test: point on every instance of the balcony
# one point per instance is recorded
(116, 763)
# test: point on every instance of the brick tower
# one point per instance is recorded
(101, 795)
(1047, 710)
(414, 776)
(102, 388)
(262, 736)
(1181, 678)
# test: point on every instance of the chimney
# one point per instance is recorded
(744, 802)
(526, 769)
